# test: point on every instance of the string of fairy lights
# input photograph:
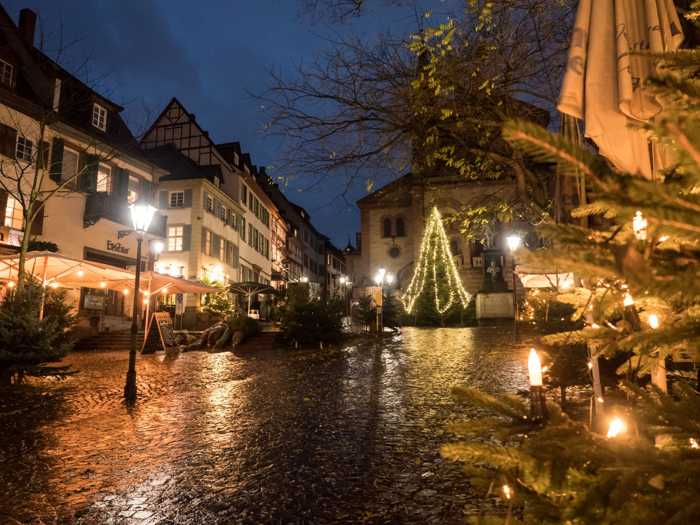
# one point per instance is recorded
(435, 251)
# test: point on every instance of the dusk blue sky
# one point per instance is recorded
(211, 55)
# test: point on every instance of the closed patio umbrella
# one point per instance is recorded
(604, 82)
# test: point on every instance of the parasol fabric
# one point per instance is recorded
(604, 83)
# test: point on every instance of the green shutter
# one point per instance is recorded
(186, 237)
(87, 181)
(56, 168)
(188, 198)
(121, 185)
(163, 200)
(8, 140)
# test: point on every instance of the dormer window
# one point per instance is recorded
(99, 117)
(7, 73)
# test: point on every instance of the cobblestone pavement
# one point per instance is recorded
(347, 436)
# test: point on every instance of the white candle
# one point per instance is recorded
(534, 368)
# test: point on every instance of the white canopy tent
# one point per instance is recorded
(55, 269)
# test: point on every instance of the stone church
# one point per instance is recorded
(393, 219)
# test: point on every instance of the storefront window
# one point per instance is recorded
(133, 193)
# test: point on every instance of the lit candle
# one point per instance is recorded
(534, 368)
(617, 426)
(507, 491)
(654, 321)
(628, 300)
(639, 225)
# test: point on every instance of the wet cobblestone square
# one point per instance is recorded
(347, 436)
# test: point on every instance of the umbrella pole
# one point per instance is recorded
(147, 324)
(42, 302)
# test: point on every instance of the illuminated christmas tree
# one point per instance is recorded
(435, 282)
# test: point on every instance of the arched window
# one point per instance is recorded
(400, 227)
(386, 227)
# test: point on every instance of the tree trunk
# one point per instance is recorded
(562, 395)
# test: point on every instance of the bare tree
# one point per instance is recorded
(433, 100)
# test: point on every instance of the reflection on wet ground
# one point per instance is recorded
(274, 437)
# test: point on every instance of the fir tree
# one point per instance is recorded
(640, 267)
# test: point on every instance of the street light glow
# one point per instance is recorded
(158, 247)
(513, 241)
(141, 216)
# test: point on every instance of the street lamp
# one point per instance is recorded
(141, 216)
(514, 241)
(380, 278)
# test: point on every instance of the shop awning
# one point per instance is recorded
(157, 283)
(56, 269)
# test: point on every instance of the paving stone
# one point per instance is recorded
(215, 439)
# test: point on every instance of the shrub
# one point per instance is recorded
(27, 342)
(313, 322)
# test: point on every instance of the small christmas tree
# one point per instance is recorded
(435, 288)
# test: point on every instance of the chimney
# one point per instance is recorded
(27, 26)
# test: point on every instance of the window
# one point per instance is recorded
(455, 247)
(7, 73)
(209, 203)
(222, 248)
(222, 213)
(23, 149)
(99, 117)
(69, 164)
(400, 227)
(386, 227)
(177, 199)
(133, 192)
(241, 229)
(13, 214)
(207, 242)
(175, 237)
(244, 194)
(104, 178)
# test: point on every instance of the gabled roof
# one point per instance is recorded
(180, 166)
(39, 73)
(402, 183)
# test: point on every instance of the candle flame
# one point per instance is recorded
(534, 368)
(507, 491)
(617, 426)
(654, 321)
(694, 443)
(628, 300)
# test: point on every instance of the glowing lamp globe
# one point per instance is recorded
(158, 247)
(513, 241)
(390, 278)
(141, 216)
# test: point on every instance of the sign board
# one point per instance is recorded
(160, 333)
(376, 294)
(94, 301)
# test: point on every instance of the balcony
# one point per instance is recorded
(106, 206)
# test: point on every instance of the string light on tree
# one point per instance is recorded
(435, 250)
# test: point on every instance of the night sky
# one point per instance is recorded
(211, 55)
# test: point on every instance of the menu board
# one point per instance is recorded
(160, 333)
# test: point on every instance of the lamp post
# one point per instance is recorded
(380, 278)
(141, 216)
(514, 241)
